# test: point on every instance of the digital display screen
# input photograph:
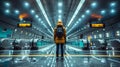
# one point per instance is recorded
(100, 25)
(24, 25)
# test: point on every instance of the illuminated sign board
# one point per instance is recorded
(100, 25)
(24, 25)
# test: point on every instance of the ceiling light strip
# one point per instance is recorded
(76, 12)
(43, 11)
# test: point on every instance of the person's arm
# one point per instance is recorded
(65, 34)
(54, 34)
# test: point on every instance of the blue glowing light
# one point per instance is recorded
(32, 11)
(79, 19)
(83, 16)
(112, 11)
(17, 11)
(59, 11)
(7, 11)
(94, 4)
(103, 12)
(59, 16)
(26, 4)
(60, 4)
(87, 11)
(36, 16)
(77, 22)
(7, 4)
(39, 19)
(112, 4)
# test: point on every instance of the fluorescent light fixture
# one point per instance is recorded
(41, 22)
(59, 16)
(83, 16)
(60, 4)
(59, 11)
(103, 12)
(112, 4)
(7, 4)
(87, 11)
(36, 16)
(77, 22)
(43, 11)
(17, 11)
(7, 11)
(112, 11)
(94, 4)
(32, 11)
(76, 11)
(39, 19)
(79, 19)
(26, 4)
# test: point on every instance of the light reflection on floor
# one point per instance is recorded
(74, 57)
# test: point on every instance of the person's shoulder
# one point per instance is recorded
(63, 27)
(55, 28)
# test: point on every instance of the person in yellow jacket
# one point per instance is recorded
(60, 38)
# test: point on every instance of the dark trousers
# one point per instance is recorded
(57, 50)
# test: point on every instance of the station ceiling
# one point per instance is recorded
(44, 14)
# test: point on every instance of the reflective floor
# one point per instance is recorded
(45, 57)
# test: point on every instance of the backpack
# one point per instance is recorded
(59, 32)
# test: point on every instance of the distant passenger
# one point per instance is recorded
(60, 39)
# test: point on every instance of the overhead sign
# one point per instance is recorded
(96, 25)
(24, 25)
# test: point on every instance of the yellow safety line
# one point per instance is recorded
(44, 55)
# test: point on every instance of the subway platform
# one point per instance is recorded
(73, 57)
